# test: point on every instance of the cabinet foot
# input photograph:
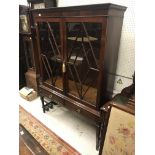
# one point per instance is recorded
(46, 105)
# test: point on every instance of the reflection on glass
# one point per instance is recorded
(50, 47)
(83, 44)
(24, 23)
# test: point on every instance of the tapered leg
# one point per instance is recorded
(42, 101)
(98, 128)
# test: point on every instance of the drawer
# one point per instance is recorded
(70, 103)
(54, 97)
(82, 111)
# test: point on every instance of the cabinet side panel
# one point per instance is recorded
(114, 28)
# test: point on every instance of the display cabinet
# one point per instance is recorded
(77, 49)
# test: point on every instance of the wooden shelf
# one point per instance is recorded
(82, 39)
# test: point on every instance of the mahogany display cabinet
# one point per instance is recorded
(77, 50)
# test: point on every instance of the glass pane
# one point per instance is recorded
(51, 57)
(83, 44)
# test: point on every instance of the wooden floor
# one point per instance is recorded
(23, 149)
(28, 145)
(90, 95)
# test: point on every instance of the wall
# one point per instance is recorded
(23, 2)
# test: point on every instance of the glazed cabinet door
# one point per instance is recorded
(50, 48)
(84, 47)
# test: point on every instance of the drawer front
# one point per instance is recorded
(71, 104)
(50, 95)
(82, 111)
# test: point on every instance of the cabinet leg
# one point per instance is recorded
(42, 101)
(54, 103)
(98, 129)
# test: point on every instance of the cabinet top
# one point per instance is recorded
(92, 7)
(106, 9)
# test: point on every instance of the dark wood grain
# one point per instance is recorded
(28, 145)
(110, 16)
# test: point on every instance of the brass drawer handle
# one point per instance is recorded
(50, 96)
